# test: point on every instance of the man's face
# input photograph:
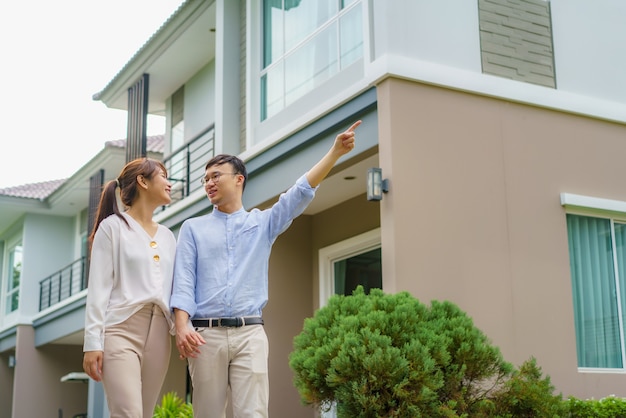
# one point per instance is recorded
(222, 184)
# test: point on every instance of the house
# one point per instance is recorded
(499, 125)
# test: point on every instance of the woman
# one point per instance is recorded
(128, 321)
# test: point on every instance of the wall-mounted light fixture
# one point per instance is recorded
(11, 361)
(376, 185)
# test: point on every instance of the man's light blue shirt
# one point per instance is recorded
(222, 259)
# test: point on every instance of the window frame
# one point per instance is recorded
(347, 248)
(615, 212)
(281, 61)
(261, 134)
(5, 292)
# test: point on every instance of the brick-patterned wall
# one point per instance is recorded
(516, 40)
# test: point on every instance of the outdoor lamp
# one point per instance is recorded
(376, 185)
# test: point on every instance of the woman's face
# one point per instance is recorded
(159, 188)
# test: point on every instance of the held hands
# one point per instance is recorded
(92, 364)
(345, 141)
(188, 342)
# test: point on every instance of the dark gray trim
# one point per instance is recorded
(8, 339)
(340, 117)
(60, 323)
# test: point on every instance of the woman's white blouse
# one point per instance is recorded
(128, 270)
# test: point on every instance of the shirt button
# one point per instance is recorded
(153, 244)
(156, 257)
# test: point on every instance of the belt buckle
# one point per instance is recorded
(230, 322)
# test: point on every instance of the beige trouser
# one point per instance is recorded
(235, 357)
(136, 359)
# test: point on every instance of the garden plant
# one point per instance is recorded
(389, 355)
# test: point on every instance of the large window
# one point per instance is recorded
(598, 270)
(350, 263)
(306, 42)
(14, 274)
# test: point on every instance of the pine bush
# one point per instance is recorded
(389, 355)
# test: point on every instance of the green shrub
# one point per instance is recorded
(609, 407)
(173, 407)
(388, 355)
(528, 395)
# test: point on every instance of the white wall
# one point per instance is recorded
(49, 243)
(590, 47)
(200, 101)
(443, 31)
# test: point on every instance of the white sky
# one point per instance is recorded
(55, 56)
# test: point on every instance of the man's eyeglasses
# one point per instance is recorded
(215, 178)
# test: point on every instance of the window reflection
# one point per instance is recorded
(13, 279)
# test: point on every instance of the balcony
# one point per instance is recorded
(64, 283)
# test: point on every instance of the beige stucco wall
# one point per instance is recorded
(473, 214)
(37, 375)
(6, 386)
(290, 276)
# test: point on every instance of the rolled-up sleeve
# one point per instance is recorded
(185, 265)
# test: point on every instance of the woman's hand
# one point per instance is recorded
(92, 364)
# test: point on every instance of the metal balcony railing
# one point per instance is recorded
(64, 283)
(185, 166)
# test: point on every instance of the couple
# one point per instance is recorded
(208, 288)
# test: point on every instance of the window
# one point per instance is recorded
(347, 264)
(598, 269)
(306, 42)
(14, 274)
(362, 269)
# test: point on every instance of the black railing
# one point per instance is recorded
(64, 283)
(185, 166)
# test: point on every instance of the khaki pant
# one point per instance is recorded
(235, 358)
(136, 359)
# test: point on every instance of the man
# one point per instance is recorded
(220, 283)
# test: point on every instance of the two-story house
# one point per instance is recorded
(498, 125)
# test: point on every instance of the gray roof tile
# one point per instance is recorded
(155, 143)
(33, 190)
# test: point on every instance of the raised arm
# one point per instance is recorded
(344, 143)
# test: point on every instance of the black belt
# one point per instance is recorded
(227, 322)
